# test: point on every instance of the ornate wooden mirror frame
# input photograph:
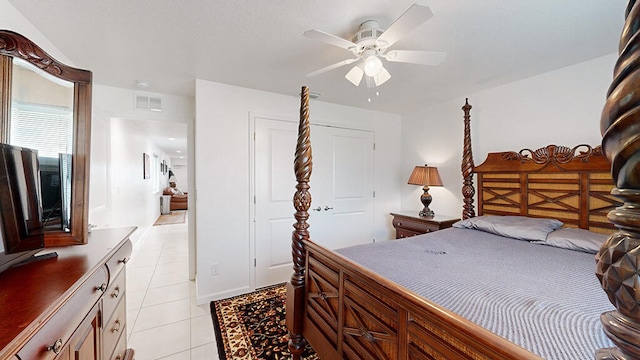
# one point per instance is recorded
(13, 45)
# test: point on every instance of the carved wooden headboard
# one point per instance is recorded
(572, 185)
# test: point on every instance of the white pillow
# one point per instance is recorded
(575, 239)
(516, 227)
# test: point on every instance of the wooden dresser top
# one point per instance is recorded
(31, 293)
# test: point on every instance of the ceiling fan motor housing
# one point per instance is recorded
(367, 35)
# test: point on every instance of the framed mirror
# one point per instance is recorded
(46, 105)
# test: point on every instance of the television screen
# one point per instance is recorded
(20, 200)
(50, 192)
(55, 188)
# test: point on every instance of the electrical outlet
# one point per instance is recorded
(215, 269)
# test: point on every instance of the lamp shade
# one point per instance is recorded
(172, 177)
(425, 176)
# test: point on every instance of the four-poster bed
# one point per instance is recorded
(346, 310)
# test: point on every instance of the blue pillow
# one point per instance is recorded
(516, 227)
(575, 239)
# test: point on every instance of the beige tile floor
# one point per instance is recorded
(163, 319)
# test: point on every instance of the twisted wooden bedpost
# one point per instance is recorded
(618, 261)
(468, 191)
(301, 202)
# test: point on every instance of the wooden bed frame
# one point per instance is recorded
(348, 312)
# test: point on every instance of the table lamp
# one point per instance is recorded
(425, 176)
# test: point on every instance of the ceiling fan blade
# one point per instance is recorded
(355, 75)
(416, 57)
(331, 67)
(382, 77)
(412, 18)
(330, 39)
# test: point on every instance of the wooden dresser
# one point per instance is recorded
(410, 223)
(71, 306)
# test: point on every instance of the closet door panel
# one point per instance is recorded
(274, 185)
(346, 157)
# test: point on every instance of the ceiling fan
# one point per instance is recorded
(371, 44)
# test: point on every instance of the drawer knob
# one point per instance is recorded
(399, 223)
(102, 287)
(317, 209)
(115, 292)
(326, 208)
(116, 327)
(123, 261)
(56, 347)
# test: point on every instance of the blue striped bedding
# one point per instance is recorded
(545, 299)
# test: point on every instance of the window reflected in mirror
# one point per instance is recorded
(42, 119)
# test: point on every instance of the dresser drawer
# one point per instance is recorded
(114, 328)
(417, 226)
(117, 262)
(113, 295)
(59, 328)
(120, 349)
(401, 233)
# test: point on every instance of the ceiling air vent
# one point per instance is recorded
(151, 103)
(312, 94)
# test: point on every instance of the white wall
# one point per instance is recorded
(134, 199)
(222, 141)
(561, 107)
(100, 163)
(120, 102)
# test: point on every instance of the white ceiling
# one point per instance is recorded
(259, 44)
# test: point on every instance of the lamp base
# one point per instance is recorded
(426, 212)
(426, 201)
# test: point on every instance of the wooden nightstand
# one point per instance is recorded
(410, 224)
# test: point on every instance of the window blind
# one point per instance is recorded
(44, 127)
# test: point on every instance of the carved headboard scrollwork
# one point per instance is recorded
(555, 154)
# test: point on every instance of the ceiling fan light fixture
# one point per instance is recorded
(372, 65)
(382, 77)
(355, 75)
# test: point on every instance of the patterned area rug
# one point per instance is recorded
(252, 326)
(175, 217)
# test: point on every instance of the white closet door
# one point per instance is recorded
(341, 188)
(275, 143)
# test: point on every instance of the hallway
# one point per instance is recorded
(163, 320)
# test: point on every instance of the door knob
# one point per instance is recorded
(317, 209)
(326, 208)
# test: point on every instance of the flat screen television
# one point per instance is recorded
(21, 225)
